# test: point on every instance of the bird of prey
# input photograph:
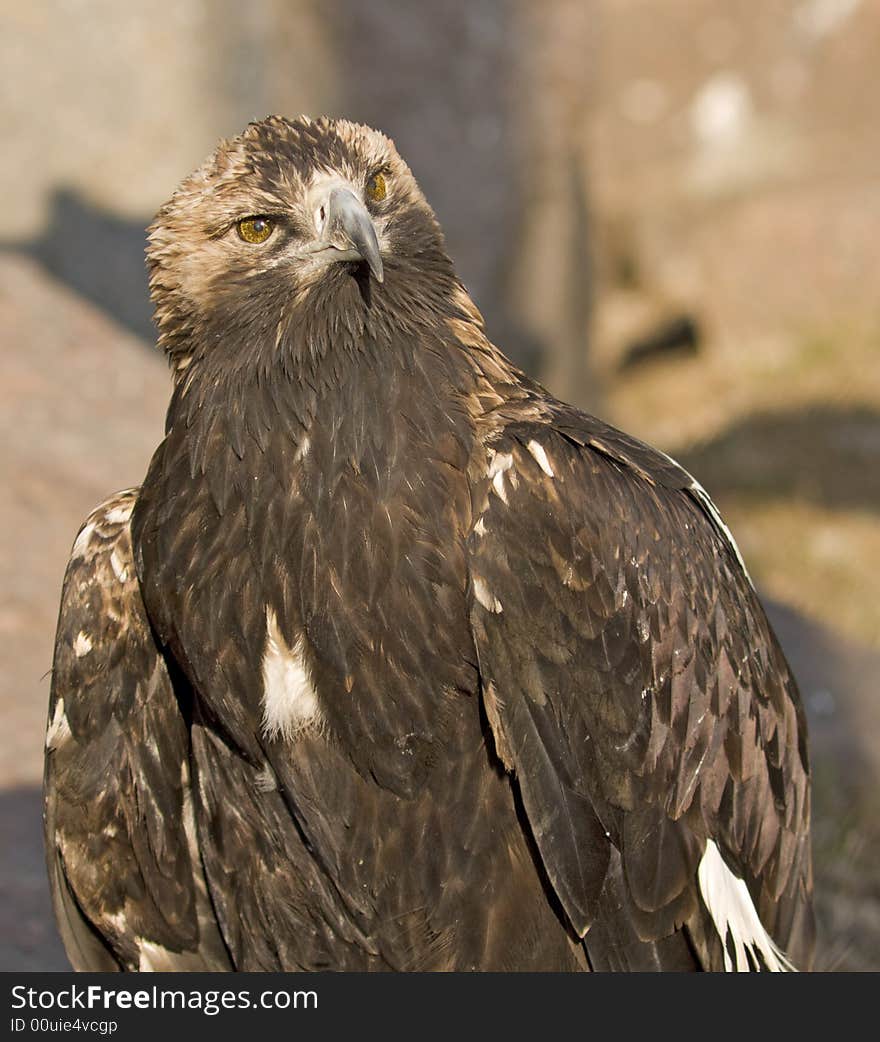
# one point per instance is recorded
(394, 661)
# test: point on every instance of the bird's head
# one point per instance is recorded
(290, 219)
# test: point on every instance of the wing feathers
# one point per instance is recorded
(635, 681)
(127, 882)
(563, 822)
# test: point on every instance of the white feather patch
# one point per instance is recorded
(733, 912)
(120, 569)
(82, 645)
(538, 451)
(500, 463)
(484, 595)
(82, 540)
(118, 922)
(290, 702)
(119, 515)
(155, 958)
(58, 730)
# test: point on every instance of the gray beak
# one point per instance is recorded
(351, 230)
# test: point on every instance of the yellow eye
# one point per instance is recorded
(255, 229)
(376, 187)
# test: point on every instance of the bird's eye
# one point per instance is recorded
(376, 188)
(255, 229)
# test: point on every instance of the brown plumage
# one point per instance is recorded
(394, 661)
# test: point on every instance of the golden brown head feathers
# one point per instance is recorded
(283, 169)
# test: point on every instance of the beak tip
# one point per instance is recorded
(369, 250)
(346, 213)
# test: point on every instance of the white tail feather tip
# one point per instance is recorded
(730, 905)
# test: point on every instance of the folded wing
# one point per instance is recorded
(635, 689)
(124, 867)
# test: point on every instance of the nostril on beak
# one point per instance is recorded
(323, 215)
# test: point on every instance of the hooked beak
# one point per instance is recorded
(347, 231)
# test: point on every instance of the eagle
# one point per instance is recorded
(394, 661)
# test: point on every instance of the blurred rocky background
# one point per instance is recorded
(668, 210)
